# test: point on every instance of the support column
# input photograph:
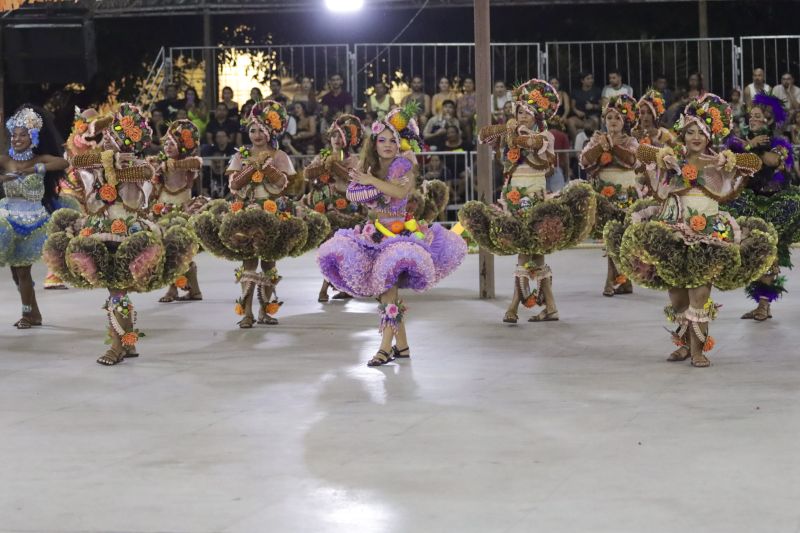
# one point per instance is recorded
(210, 63)
(702, 20)
(485, 179)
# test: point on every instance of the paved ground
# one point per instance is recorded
(575, 426)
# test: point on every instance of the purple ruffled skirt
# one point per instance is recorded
(361, 263)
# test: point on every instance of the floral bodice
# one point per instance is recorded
(621, 156)
(261, 186)
(328, 189)
(375, 200)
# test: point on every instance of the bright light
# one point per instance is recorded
(344, 5)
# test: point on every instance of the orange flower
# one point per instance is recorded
(689, 172)
(646, 140)
(709, 345)
(631, 116)
(513, 155)
(126, 122)
(714, 112)
(188, 139)
(238, 309)
(608, 191)
(130, 338)
(698, 222)
(606, 158)
(257, 177)
(325, 178)
(341, 203)
(530, 301)
(158, 208)
(108, 193)
(274, 120)
(270, 206)
(135, 134)
(81, 126)
(621, 279)
(514, 196)
(272, 308)
(236, 206)
(353, 134)
(182, 282)
(86, 232)
(118, 226)
(716, 126)
(396, 227)
(319, 207)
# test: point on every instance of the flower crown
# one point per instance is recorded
(349, 128)
(30, 120)
(270, 116)
(185, 135)
(538, 98)
(711, 113)
(130, 131)
(625, 106)
(403, 125)
(773, 105)
(655, 101)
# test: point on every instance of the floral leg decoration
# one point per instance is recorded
(188, 282)
(697, 320)
(392, 310)
(675, 313)
(764, 291)
(541, 273)
(520, 286)
(267, 295)
(122, 334)
(616, 282)
(249, 279)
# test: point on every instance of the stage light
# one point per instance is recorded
(342, 6)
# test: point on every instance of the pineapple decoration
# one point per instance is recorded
(403, 121)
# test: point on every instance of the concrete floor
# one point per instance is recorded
(575, 426)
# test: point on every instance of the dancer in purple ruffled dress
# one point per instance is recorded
(391, 250)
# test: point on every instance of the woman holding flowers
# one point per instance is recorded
(609, 159)
(525, 221)
(261, 224)
(686, 245)
(392, 250)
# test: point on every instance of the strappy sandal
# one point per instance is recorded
(323, 298)
(190, 297)
(681, 354)
(544, 316)
(166, 299)
(111, 358)
(609, 291)
(131, 353)
(700, 361)
(342, 296)
(623, 289)
(510, 317)
(268, 320)
(246, 322)
(380, 359)
(26, 323)
(397, 353)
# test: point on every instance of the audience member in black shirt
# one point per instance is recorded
(170, 105)
(221, 121)
(585, 104)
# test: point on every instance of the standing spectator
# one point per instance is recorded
(232, 107)
(661, 85)
(307, 95)
(336, 100)
(445, 93)
(214, 179)
(759, 85)
(221, 121)
(585, 105)
(275, 87)
(418, 95)
(171, 103)
(380, 102)
(196, 110)
(615, 87)
(789, 94)
(436, 128)
(565, 108)
(739, 112)
(306, 133)
(467, 107)
(500, 96)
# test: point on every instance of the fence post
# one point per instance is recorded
(543, 66)
(352, 67)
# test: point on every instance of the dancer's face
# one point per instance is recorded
(646, 118)
(695, 139)
(336, 141)
(386, 145)
(757, 119)
(20, 139)
(170, 148)
(524, 118)
(257, 136)
(614, 122)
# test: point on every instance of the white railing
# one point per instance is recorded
(775, 54)
(153, 85)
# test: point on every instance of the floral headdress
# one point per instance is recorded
(403, 125)
(538, 98)
(348, 127)
(129, 132)
(270, 117)
(625, 106)
(772, 105)
(30, 120)
(711, 113)
(185, 135)
(655, 101)
(87, 126)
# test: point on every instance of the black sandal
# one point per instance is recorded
(111, 358)
(380, 358)
(397, 353)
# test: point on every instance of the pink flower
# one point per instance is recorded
(392, 311)
(369, 229)
(378, 127)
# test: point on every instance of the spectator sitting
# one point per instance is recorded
(759, 85)
(336, 100)
(380, 102)
(196, 110)
(307, 95)
(418, 95)
(182, 114)
(435, 170)
(661, 85)
(231, 106)
(306, 133)
(500, 96)
(436, 128)
(445, 93)
(561, 172)
(366, 123)
(585, 105)
(275, 86)
(508, 112)
(694, 89)
(467, 107)
(255, 97)
(243, 138)
(615, 87)
(565, 109)
(214, 180)
(453, 141)
(587, 129)
(170, 105)
(158, 126)
(221, 121)
(789, 94)
(739, 112)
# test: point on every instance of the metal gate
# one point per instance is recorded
(775, 54)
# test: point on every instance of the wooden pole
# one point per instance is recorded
(702, 19)
(483, 84)
(209, 60)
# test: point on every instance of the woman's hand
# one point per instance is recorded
(717, 161)
(672, 162)
(362, 178)
(759, 140)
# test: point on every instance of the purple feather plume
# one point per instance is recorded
(780, 141)
(774, 103)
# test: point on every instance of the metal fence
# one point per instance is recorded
(640, 62)
(775, 54)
